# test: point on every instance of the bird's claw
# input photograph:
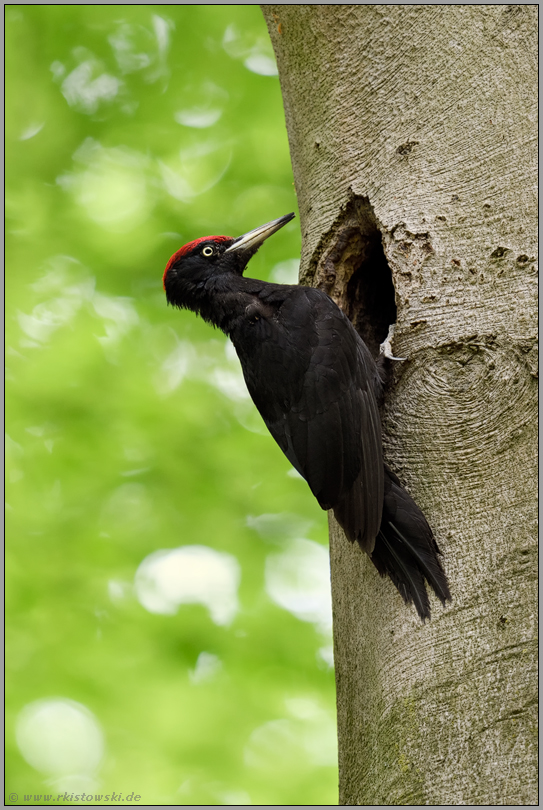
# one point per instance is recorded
(386, 346)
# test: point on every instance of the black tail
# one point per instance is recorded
(405, 549)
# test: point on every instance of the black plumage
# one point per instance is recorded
(316, 386)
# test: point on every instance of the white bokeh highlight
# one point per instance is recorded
(60, 738)
(298, 580)
(257, 54)
(208, 665)
(306, 738)
(169, 578)
(85, 87)
(69, 289)
(286, 272)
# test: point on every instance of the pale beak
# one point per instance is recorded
(251, 241)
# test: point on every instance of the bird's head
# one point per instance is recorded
(196, 262)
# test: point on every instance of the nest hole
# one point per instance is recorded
(356, 274)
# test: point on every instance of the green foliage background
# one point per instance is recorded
(131, 130)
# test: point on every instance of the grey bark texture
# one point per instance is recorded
(412, 131)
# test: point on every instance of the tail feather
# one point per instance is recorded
(406, 550)
(406, 577)
(429, 563)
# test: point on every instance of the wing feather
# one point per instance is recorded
(314, 382)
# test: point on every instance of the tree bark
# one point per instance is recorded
(412, 131)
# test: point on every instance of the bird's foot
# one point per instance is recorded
(386, 346)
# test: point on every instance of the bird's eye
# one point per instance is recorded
(207, 251)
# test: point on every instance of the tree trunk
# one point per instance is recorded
(412, 131)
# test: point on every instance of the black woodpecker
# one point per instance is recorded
(316, 386)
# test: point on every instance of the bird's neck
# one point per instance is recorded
(220, 300)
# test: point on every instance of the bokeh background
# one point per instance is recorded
(168, 596)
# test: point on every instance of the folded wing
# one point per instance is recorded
(313, 381)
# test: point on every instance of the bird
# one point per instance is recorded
(317, 388)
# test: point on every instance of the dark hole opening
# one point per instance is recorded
(355, 273)
(370, 297)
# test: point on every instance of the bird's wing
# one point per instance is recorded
(312, 379)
